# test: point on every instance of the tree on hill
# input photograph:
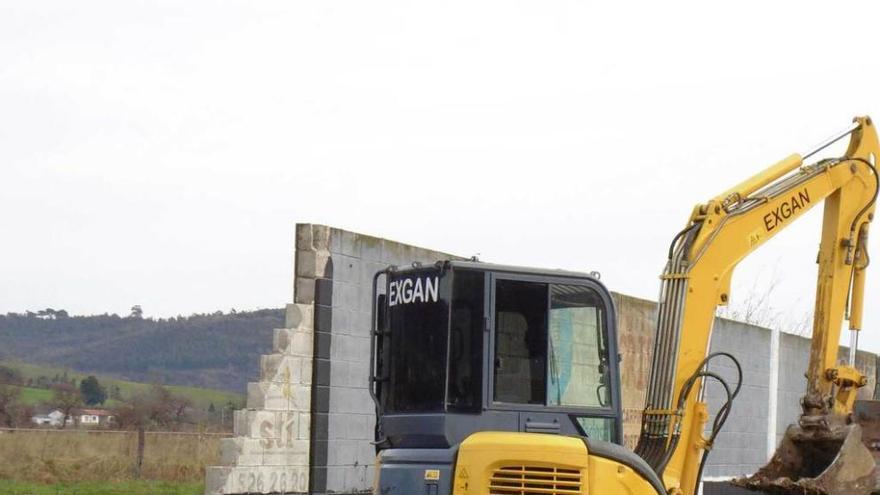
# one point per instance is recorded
(92, 392)
(10, 376)
(137, 312)
(66, 398)
(115, 392)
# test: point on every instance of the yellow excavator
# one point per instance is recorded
(825, 453)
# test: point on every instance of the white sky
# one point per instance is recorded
(159, 153)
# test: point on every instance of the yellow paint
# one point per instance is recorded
(482, 454)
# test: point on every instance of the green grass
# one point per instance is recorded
(37, 396)
(102, 488)
(200, 397)
(34, 396)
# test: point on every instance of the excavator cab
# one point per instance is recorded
(461, 347)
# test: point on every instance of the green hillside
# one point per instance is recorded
(200, 397)
(214, 351)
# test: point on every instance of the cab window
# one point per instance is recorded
(520, 342)
(578, 356)
(550, 345)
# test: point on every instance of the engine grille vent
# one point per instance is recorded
(535, 480)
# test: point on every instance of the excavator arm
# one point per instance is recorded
(720, 234)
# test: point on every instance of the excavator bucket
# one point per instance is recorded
(817, 462)
(867, 415)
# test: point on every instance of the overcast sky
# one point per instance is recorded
(160, 153)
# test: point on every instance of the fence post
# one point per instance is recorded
(139, 462)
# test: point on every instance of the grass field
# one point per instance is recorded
(101, 488)
(35, 396)
(76, 456)
(200, 397)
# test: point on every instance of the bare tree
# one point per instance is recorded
(12, 411)
(66, 398)
(757, 308)
(157, 408)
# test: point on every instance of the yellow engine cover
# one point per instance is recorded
(504, 463)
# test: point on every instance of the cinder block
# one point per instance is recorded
(360, 323)
(260, 424)
(324, 291)
(350, 400)
(293, 341)
(356, 479)
(345, 295)
(311, 264)
(358, 374)
(363, 297)
(216, 479)
(304, 236)
(274, 396)
(304, 290)
(299, 315)
(321, 237)
(366, 454)
(244, 451)
(350, 348)
(354, 427)
(305, 263)
(339, 374)
(340, 320)
(285, 369)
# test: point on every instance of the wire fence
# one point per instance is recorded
(68, 455)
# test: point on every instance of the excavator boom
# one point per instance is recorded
(720, 234)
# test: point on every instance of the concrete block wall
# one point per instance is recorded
(343, 420)
(741, 447)
(269, 452)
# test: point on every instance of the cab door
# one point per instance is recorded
(550, 356)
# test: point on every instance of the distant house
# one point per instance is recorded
(86, 418)
(93, 417)
(49, 417)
